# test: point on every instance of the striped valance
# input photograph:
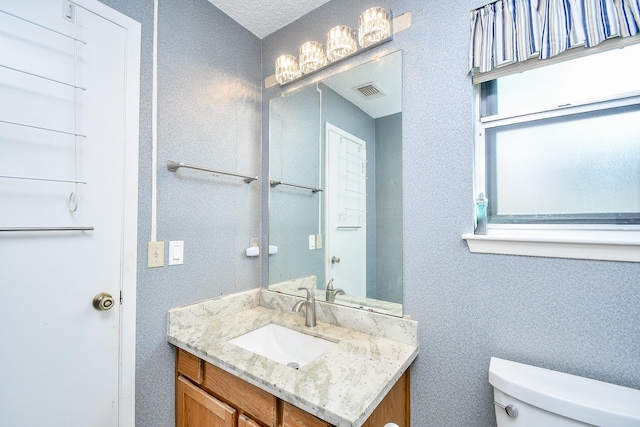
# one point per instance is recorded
(509, 31)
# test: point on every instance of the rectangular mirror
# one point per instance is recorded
(335, 204)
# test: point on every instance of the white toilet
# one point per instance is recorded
(527, 396)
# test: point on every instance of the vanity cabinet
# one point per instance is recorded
(209, 396)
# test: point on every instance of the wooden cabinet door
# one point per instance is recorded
(196, 408)
(244, 421)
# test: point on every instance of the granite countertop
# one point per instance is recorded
(342, 386)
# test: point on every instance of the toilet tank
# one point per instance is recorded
(548, 398)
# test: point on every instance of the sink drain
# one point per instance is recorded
(293, 365)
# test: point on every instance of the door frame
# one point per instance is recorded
(129, 237)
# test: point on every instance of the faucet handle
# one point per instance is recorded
(310, 295)
(330, 285)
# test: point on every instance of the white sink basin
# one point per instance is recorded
(283, 345)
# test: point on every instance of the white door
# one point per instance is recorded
(64, 162)
(346, 188)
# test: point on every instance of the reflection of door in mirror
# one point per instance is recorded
(346, 210)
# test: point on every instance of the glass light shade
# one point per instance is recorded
(374, 25)
(311, 57)
(287, 68)
(341, 42)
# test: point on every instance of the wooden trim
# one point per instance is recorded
(190, 366)
(394, 408)
(296, 417)
(407, 397)
(245, 421)
(246, 397)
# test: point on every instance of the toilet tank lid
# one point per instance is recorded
(582, 399)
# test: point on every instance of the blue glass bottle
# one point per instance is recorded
(481, 214)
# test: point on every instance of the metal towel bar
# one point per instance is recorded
(41, 77)
(174, 166)
(313, 190)
(46, 228)
(72, 181)
(42, 128)
(42, 26)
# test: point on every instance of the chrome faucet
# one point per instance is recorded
(310, 307)
(330, 292)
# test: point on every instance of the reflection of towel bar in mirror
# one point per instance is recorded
(359, 175)
(357, 157)
(174, 166)
(348, 227)
(313, 190)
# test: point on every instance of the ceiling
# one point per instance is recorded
(385, 74)
(263, 17)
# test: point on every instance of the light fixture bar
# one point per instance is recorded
(398, 24)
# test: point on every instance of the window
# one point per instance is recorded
(558, 157)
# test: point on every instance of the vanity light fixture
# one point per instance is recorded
(311, 57)
(341, 42)
(374, 25)
(287, 69)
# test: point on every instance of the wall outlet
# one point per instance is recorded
(155, 254)
(319, 241)
(312, 242)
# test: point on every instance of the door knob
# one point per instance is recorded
(103, 301)
(335, 259)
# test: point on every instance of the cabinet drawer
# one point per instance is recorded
(295, 417)
(190, 366)
(248, 398)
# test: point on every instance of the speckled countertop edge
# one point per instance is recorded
(343, 386)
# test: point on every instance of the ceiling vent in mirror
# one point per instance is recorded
(369, 91)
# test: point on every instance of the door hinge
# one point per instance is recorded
(120, 297)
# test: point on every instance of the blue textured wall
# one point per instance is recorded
(575, 316)
(294, 159)
(209, 110)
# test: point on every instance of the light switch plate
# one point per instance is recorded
(319, 241)
(176, 252)
(312, 242)
(155, 254)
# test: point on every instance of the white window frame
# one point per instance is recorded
(584, 241)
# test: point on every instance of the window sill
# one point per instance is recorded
(594, 245)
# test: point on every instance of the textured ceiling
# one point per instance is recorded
(263, 17)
